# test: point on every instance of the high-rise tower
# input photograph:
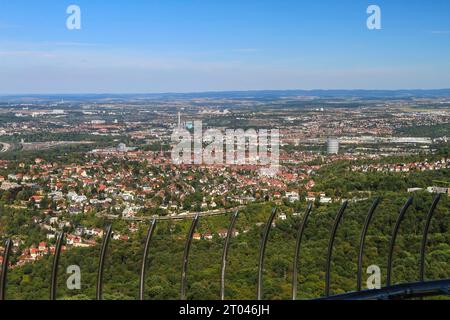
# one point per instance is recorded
(333, 146)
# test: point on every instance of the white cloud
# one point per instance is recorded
(24, 53)
(4, 25)
(440, 32)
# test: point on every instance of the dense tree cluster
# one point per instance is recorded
(163, 276)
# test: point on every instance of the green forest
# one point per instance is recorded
(435, 131)
(124, 258)
(121, 279)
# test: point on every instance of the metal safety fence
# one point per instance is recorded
(419, 289)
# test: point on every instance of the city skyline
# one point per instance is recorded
(168, 46)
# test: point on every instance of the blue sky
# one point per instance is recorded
(207, 45)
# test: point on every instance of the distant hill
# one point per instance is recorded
(262, 94)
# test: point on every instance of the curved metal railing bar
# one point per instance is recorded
(225, 254)
(148, 240)
(6, 253)
(399, 292)
(425, 236)
(363, 242)
(101, 265)
(394, 238)
(301, 231)
(330, 247)
(187, 248)
(54, 280)
(262, 252)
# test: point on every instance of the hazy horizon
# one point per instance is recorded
(254, 91)
(175, 47)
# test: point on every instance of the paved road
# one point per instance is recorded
(178, 217)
